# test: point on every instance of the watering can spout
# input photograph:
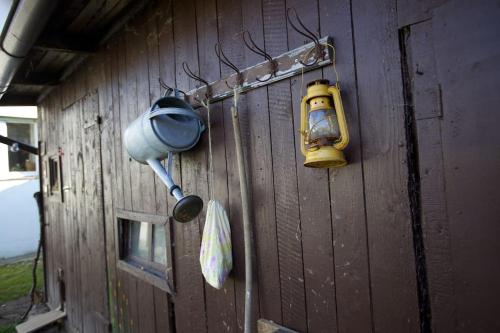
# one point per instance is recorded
(187, 207)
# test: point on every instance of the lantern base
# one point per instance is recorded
(325, 157)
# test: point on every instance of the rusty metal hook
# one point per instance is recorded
(190, 73)
(168, 89)
(306, 33)
(259, 51)
(222, 57)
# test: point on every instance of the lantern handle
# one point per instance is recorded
(304, 123)
(344, 132)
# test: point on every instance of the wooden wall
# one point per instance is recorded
(368, 247)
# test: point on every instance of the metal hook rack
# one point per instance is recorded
(316, 54)
(288, 64)
(169, 89)
(224, 59)
(198, 78)
(259, 51)
(318, 49)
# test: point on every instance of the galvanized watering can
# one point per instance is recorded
(169, 126)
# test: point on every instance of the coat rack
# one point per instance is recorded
(302, 59)
(316, 54)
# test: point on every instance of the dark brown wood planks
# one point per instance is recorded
(220, 304)
(70, 167)
(143, 192)
(162, 308)
(96, 278)
(352, 274)
(260, 170)
(273, 159)
(190, 309)
(425, 95)
(392, 262)
(314, 201)
(293, 302)
(107, 128)
(467, 60)
(229, 24)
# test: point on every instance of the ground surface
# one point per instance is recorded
(15, 285)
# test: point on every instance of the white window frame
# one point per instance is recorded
(5, 173)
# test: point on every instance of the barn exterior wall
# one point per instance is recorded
(369, 247)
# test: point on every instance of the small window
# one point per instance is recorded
(144, 247)
(54, 174)
(19, 160)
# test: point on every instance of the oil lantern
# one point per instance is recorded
(323, 126)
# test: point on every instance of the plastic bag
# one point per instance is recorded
(216, 257)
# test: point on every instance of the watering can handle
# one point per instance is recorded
(178, 111)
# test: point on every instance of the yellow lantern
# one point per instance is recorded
(323, 127)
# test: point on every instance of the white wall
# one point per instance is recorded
(19, 227)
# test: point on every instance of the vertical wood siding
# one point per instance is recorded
(313, 247)
(334, 249)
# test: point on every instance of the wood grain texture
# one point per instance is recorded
(267, 326)
(75, 199)
(230, 23)
(118, 181)
(162, 64)
(261, 173)
(467, 61)
(426, 91)
(220, 304)
(352, 270)
(435, 225)
(334, 248)
(190, 309)
(108, 176)
(94, 216)
(412, 12)
(145, 188)
(40, 321)
(72, 272)
(52, 218)
(293, 302)
(167, 68)
(380, 93)
(314, 203)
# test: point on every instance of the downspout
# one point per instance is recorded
(25, 26)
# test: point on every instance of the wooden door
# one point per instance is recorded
(452, 60)
(83, 220)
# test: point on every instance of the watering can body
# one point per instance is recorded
(169, 126)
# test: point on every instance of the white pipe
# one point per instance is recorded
(25, 26)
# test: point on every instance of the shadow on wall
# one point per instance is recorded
(19, 230)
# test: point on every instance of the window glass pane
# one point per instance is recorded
(139, 239)
(54, 174)
(20, 160)
(159, 245)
